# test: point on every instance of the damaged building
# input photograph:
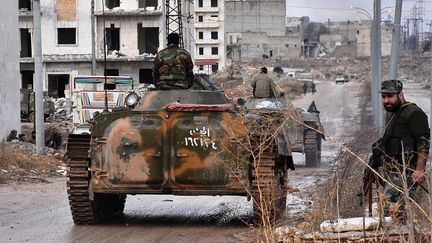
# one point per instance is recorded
(133, 37)
(257, 29)
(352, 38)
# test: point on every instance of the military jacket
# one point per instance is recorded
(409, 129)
(173, 66)
(263, 86)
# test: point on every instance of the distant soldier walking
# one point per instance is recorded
(173, 66)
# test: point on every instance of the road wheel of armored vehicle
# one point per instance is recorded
(84, 210)
(312, 148)
(269, 188)
(31, 117)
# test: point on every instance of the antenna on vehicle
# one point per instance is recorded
(105, 61)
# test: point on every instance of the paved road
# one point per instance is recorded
(39, 212)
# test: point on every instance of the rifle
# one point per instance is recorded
(369, 176)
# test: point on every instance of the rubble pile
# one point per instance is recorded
(62, 110)
(19, 163)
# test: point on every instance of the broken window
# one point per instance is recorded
(200, 18)
(24, 4)
(214, 50)
(214, 35)
(215, 67)
(27, 79)
(112, 38)
(148, 39)
(201, 51)
(148, 3)
(57, 84)
(146, 76)
(66, 36)
(200, 3)
(110, 4)
(26, 50)
(111, 72)
(200, 35)
(213, 3)
(201, 67)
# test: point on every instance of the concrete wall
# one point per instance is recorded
(256, 16)
(51, 20)
(254, 45)
(363, 40)
(9, 68)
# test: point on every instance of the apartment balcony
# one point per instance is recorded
(25, 13)
(207, 42)
(206, 61)
(206, 10)
(130, 12)
(207, 57)
(207, 25)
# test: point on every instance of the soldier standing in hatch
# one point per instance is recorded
(173, 66)
(405, 141)
(263, 86)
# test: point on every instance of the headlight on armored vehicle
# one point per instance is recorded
(132, 99)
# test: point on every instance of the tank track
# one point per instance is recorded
(269, 189)
(312, 153)
(83, 209)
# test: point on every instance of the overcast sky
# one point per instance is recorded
(339, 10)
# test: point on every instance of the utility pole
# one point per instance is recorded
(38, 87)
(395, 40)
(174, 22)
(93, 36)
(430, 107)
(376, 66)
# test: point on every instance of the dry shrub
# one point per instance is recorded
(18, 162)
(342, 191)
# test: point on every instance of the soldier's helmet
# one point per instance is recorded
(391, 86)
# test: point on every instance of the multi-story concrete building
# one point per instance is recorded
(133, 37)
(209, 35)
(352, 38)
(257, 29)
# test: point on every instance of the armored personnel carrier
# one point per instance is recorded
(306, 134)
(179, 142)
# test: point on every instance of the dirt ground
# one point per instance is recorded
(34, 205)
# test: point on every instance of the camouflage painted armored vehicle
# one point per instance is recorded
(304, 135)
(180, 142)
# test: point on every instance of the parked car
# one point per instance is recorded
(342, 79)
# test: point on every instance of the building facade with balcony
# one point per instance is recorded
(133, 37)
(209, 35)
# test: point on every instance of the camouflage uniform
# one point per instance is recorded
(173, 68)
(262, 86)
(406, 134)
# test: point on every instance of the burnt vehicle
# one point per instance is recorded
(306, 134)
(180, 142)
(27, 104)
